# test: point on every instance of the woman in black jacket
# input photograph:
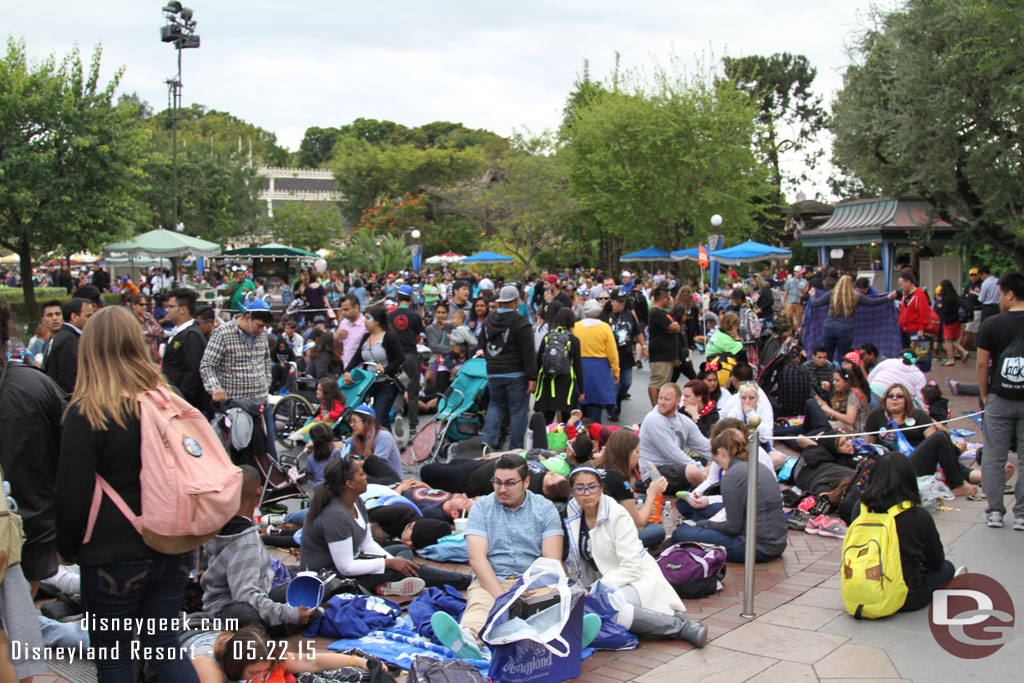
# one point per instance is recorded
(948, 308)
(122, 577)
(380, 352)
(324, 360)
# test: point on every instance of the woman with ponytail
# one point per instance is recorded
(336, 535)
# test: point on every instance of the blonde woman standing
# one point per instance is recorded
(842, 302)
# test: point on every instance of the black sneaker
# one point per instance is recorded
(613, 418)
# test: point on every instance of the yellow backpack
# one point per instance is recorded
(871, 573)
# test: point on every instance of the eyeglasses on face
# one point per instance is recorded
(584, 490)
(604, 298)
(499, 484)
(898, 397)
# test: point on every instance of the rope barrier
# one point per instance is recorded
(885, 430)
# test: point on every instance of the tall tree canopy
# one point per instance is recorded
(790, 119)
(652, 160)
(70, 174)
(932, 106)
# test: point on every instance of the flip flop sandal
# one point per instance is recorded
(977, 496)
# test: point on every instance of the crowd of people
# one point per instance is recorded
(559, 477)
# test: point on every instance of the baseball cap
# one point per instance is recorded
(551, 279)
(257, 305)
(366, 411)
(319, 319)
(617, 295)
(972, 271)
(507, 294)
(626, 273)
(405, 289)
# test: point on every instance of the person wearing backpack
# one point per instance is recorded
(1001, 388)
(898, 532)
(600, 359)
(560, 379)
(122, 576)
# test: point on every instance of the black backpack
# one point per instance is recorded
(1008, 371)
(429, 670)
(557, 360)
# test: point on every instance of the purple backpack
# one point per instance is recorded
(695, 570)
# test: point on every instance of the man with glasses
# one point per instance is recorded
(627, 333)
(184, 351)
(506, 531)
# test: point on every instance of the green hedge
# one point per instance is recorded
(17, 301)
(15, 295)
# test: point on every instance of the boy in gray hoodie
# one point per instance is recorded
(238, 582)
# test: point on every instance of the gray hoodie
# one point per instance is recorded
(240, 571)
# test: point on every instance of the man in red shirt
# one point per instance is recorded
(914, 308)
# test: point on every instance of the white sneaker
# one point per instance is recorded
(994, 519)
(406, 588)
(398, 428)
(1018, 523)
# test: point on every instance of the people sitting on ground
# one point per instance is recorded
(913, 433)
(332, 405)
(618, 463)
(336, 535)
(849, 408)
(748, 402)
(249, 655)
(901, 370)
(369, 438)
(820, 369)
(239, 581)
(606, 553)
(925, 567)
(698, 405)
(730, 452)
(672, 442)
(507, 530)
(794, 385)
(702, 503)
(935, 404)
(716, 392)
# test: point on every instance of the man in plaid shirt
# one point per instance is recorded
(821, 371)
(236, 363)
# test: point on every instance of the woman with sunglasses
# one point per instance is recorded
(909, 430)
(152, 333)
(336, 535)
(605, 553)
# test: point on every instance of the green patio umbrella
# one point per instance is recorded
(162, 243)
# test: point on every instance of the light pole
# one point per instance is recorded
(180, 30)
(416, 249)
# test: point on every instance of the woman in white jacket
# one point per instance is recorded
(604, 547)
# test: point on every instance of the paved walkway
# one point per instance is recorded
(801, 632)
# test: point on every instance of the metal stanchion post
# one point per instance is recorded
(751, 534)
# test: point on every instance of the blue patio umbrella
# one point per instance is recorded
(691, 254)
(648, 254)
(488, 257)
(749, 252)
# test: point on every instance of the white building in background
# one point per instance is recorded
(297, 185)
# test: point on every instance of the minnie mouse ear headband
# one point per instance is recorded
(909, 357)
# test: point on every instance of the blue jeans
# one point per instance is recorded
(686, 511)
(625, 382)
(142, 589)
(837, 338)
(651, 535)
(735, 546)
(508, 395)
(268, 423)
(383, 395)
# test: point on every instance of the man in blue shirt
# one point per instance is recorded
(506, 531)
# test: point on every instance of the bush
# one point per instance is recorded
(15, 295)
(16, 299)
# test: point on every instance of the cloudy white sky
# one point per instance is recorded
(498, 65)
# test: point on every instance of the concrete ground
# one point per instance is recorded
(800, 631)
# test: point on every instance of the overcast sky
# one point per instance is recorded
(503, 66)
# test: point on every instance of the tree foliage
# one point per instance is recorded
(790, 118)
(932, 106)
(307, 225)
(651, 160)
(70, 176)
(373, 252)
(522, 202)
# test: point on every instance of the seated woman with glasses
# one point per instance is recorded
(605, 553)
(336, 535)
(911, 431)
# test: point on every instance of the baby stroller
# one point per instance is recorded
(458, 414)
(239, 423)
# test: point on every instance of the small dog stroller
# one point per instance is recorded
(458, 414)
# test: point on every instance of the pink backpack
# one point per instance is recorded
(190, 488)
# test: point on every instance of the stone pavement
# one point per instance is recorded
(801, 632)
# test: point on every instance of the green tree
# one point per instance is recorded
(932, 107)
(307, 225)
(373, 252)
(651, 161)
(70, 174)
(316, 146)
(790, 119)
(522, 203)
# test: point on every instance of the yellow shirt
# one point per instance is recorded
(598, 341)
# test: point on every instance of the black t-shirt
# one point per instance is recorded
(615, 485)
(877, 419)
(624, 328)
(430, 502)
(584, 543)
(663, 345)
(479, 481)
(407, 325)
(996, 333)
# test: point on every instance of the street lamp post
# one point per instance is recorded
(416, 249)
(180, 30)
